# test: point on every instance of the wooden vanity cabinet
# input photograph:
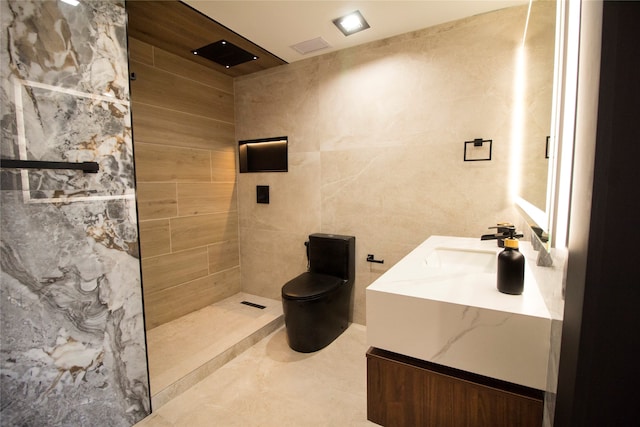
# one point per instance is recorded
(403, 391)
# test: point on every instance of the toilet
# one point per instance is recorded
(317, 304)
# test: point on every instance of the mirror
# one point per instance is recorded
(534, 106)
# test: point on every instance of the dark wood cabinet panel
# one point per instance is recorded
(403, 391)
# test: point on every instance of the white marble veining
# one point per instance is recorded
(456, 316)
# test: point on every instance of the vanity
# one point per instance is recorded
(446, 348)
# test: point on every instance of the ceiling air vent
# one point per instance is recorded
(225, 53)
(310, 45)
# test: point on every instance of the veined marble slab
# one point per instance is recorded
(72, 330)
(458, 318)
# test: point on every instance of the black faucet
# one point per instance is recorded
(504, 230)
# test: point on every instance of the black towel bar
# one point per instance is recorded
(86, 167)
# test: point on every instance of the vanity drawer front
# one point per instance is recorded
(403, 391)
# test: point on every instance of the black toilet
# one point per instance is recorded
(317, 304)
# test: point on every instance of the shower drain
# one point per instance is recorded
(253, 304)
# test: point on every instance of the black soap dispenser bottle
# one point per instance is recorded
(511, 267)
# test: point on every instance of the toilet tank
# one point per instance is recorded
(333, 254)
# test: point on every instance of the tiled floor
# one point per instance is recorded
(186, 350)
(271, 385)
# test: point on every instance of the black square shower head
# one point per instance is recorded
(225, 53)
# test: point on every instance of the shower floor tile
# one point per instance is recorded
(186, 350)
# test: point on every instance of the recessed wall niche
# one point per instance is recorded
(263, 155)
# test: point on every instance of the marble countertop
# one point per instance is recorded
(410, 277)
(456, 317)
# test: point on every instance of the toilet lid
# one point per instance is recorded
(310, 285)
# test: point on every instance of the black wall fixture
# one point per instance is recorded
(225, 53)
(87, 167)
(478, 150)
(262, 194)
(546, 148)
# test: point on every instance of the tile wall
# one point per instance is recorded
(183, 119)
(376, 140)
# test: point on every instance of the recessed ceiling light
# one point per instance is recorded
(351, 23)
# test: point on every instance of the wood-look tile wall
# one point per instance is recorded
(184, 144)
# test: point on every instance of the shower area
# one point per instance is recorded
(185, 158)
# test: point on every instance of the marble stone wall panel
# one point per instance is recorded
(73, 348)
(81, 48)
(65, 91)
(77, 286)
(64, 127)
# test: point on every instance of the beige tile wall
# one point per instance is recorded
(376, 139)
(183, 121)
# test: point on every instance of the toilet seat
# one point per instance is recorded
(309, 286)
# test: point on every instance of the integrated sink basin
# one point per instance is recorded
(465, 260)
(440, 303)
